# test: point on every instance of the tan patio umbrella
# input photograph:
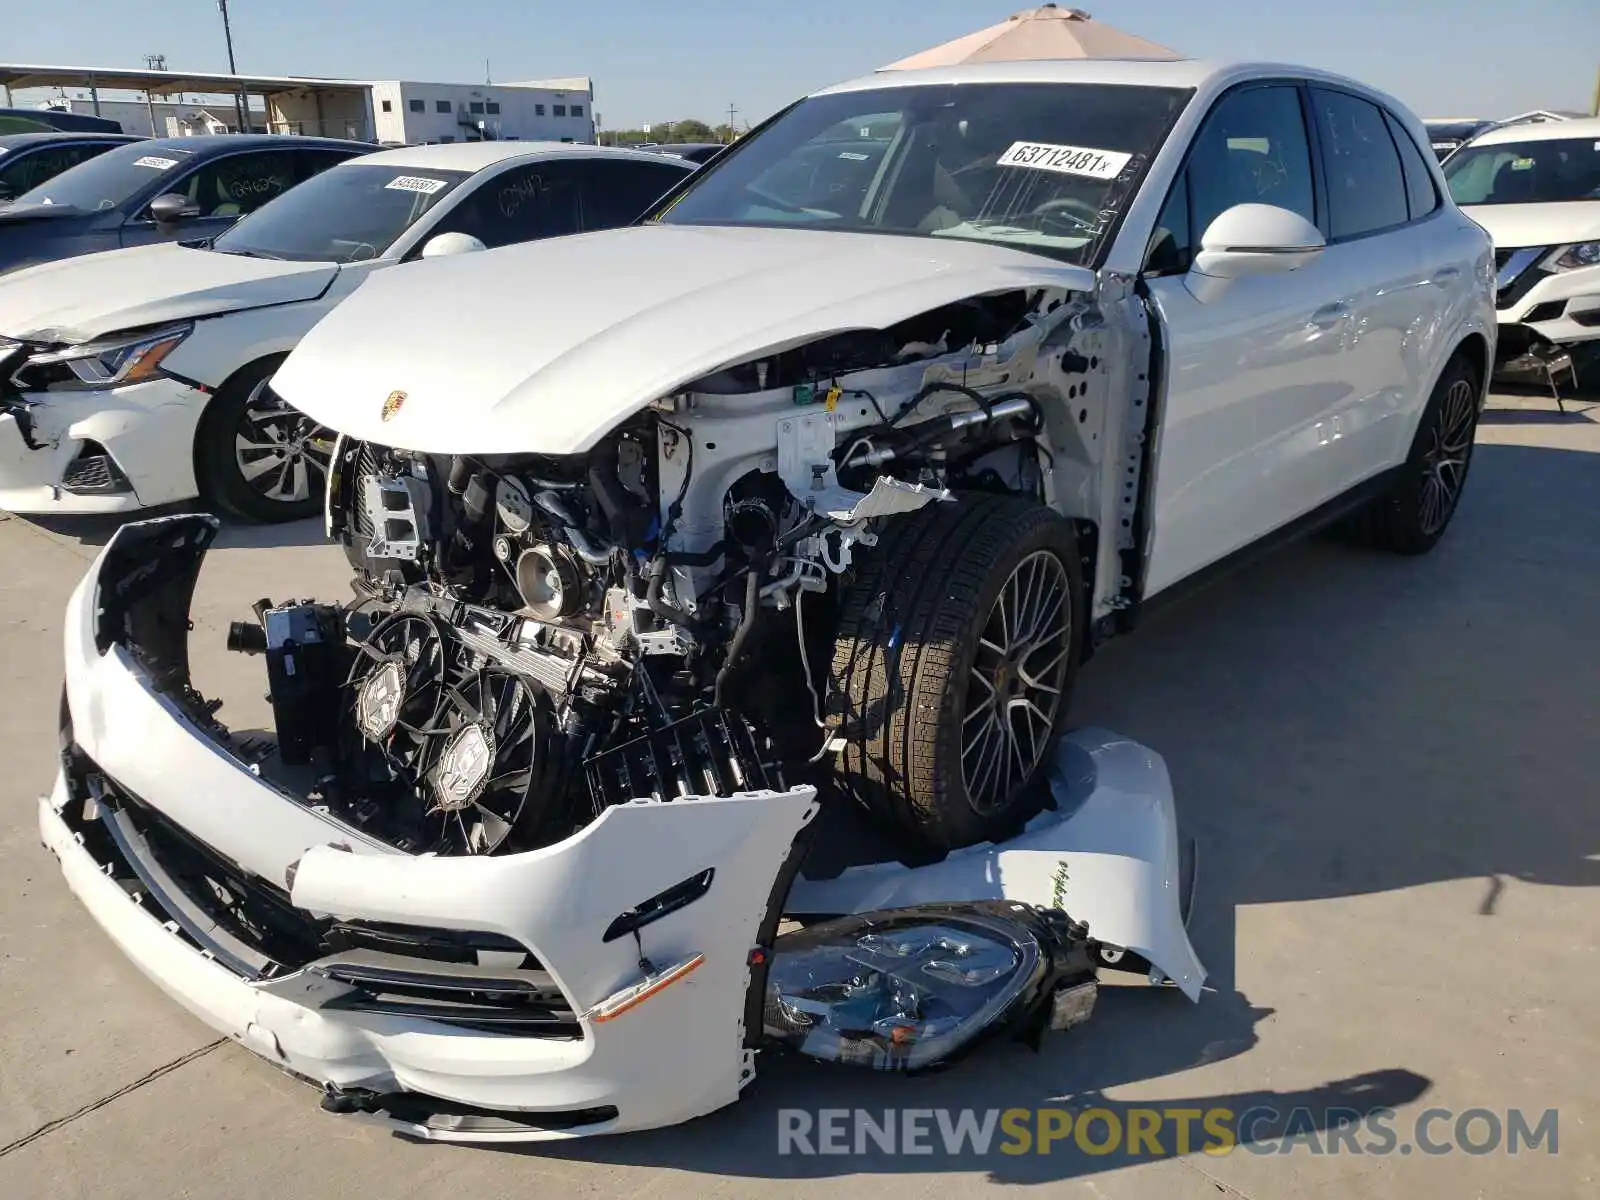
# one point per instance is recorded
(1046, 32)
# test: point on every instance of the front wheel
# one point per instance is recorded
(957, 646)
(1412, 515)
(257, 457)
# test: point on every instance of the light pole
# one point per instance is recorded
(241, 109)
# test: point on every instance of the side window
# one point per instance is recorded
(1252, 149)
(1171, 243)
(618, 193)
(239, 183)
(1421, 196)
(314, 162)
(538, 201)
(1366, 185)
(24, 172)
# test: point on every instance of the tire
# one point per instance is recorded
(246, 429)
(922, 634)
(1413, 514)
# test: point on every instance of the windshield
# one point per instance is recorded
(1535, 172)
(350, 213)
(109, 179)
(1046, 166)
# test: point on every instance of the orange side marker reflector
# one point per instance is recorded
(617, 1003)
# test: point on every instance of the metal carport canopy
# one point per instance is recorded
(17, 76)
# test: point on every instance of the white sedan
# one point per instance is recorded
(802, 501)
(140, 377)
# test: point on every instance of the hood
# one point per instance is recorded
(15, 213)
(1516, 225)
(75, 299)
(546, 346)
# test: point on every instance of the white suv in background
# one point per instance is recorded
(1536, 189)
(140, 377)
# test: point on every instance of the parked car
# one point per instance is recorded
(30, 159)
(140, 376)
(48, 120)
(664, 536)
(1536, 189)
(158, 190)
(1446, 137)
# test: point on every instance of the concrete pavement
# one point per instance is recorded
(1389, 767)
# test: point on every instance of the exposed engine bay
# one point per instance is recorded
(537, 637)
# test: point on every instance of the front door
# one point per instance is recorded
(1253, 374)
(224, 189)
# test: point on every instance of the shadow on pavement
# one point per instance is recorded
(96, 531)
(743, 1141)
(1577, 412)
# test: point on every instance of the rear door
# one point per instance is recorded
(1383, 246)
(1253, 373)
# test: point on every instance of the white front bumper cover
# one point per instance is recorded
(588, 1054)
(1562, 308)
(147, 429)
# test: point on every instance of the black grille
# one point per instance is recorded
(518, 1001)
(710, 753)
(1550, 310)
(94, 473)
(1501, 258)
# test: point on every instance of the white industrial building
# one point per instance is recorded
(557, 110)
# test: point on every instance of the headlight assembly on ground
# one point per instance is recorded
(910, 988)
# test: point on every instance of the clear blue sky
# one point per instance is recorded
(681, 58)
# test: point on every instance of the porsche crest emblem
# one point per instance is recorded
(392, 403)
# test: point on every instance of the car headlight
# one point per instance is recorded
(910, 988)
(118, 359)
(1574, 257)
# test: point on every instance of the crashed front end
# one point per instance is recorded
(622, 976)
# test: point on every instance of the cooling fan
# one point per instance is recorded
(491, 743)
(465, 741)
(397, 687)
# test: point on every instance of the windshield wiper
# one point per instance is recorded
(243, 252)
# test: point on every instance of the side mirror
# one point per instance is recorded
(1252, 239)
(451, 243)
(172, 208)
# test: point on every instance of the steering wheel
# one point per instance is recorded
(1066, 211)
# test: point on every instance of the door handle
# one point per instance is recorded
(1444, 275)
(1329, 315)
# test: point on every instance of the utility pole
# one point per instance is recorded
(731, 111)
(155, 62)
(239, 103)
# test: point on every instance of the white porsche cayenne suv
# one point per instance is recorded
(139, 377)
(797, 503)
